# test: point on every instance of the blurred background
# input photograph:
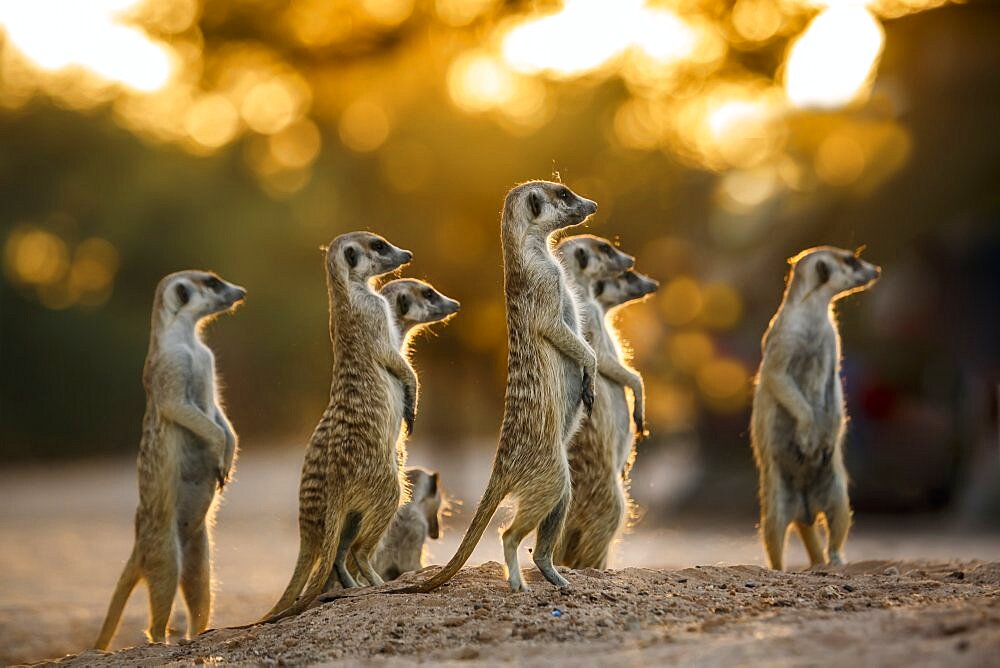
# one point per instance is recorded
(719, 138)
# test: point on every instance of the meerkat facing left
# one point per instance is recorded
(186, 456)
(603, 448)
(798, 419)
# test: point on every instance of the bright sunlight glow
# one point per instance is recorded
(833, 62)
(587, 34)
(57, 34)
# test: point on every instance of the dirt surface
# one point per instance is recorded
(65, 532)
(877, 613)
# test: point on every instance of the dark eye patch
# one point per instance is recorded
(213, 283)
(379, 246)
(183, 294)
(607, 249)
(430, 295)
(852, 262)
(631, 278)
(563, 194)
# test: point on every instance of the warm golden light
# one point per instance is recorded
(833, 62)
(587, 34)
(364, 126)
(58, 34)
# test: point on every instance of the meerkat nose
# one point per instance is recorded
(407, 255)
(241, 294)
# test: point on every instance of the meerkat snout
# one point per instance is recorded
(619, 290)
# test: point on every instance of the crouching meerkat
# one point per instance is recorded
(351, 484)
(798, 419)
(550, 373)
(185, 458)
(401, 549)
(602, 451)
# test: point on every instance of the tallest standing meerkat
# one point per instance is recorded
(550, 371)
(797, 425)
(185, 456)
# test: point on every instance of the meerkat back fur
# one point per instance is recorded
(798, 419)
(600, 450)
(550, 373)
(356, 482)
(186, 456)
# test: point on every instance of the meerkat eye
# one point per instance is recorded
(379, 246)
(213, 283)
(563, 194)
(429, 295)
(852, 262)
(607, 250)
(631, 277)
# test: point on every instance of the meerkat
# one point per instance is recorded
(401, 549)
(604, 444)
(798, 418)
(414, 305)
(351, 483)
(186, 456)
(550, 383)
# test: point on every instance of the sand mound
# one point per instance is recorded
(877, 612)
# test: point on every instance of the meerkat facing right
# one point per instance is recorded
(551, 371)
(798, 419)
(185, 457)
(353, 480)
(603, 448)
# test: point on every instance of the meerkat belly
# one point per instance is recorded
(619, 423)
(572, 385)
(196, 481)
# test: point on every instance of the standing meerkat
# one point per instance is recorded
(550, 373)
(414, 305)
(798, 418)
(601, 450)
(186, 456)
(351, 483)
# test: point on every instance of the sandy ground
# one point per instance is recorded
(915, 593)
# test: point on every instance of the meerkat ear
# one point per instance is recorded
(598, 288)
(403, 304)
(183, 294)
(582, 258)
(535, 204)
(351, 255)
(822, 272)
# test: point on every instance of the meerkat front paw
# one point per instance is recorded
(640, 424)
(587, 395)
(409, 411)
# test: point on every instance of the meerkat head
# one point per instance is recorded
(417, 303)
(830, 272)
(628, 287)
(589, 258)
(425, 493)
(359, 256)
(539, 208)
(198, 294)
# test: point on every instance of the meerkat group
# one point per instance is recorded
(573, 411)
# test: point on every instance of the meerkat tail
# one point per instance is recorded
(303, 568)
(488, 505)
(318, 575)
(129, 578)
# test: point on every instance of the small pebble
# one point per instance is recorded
(892, 570)
(557, 612)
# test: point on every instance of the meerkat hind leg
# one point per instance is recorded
(347, 535)
(774, 523)
(524, 522)
(838, 519)
(196, 579)
(811, 539)
(546, 537)
(365, 565)
(162, 574)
